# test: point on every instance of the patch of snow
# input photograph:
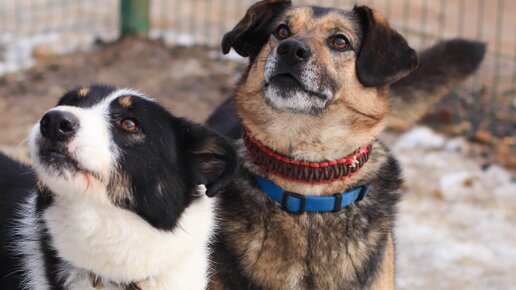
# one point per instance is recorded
(455, 246)
(454, 180)
(498, 175)
(171, 37)
(420, 137)
(19, 51)
(234, 56)
(457, 144)
(456, 222)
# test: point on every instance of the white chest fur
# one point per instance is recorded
(119, 246)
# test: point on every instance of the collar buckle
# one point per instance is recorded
(338, 202)
(364, 189)
(301, 198)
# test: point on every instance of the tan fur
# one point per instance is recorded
(275, 263)
(209, 147)
(215, 285)
(380, 19)
(120, 188)
(125, 101)
(385, 280)
(404, 115)
(83, 92)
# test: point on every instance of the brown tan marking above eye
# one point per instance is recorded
(125, 101)
(129, 125)
(82, 92)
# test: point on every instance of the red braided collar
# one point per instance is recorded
(305, 172)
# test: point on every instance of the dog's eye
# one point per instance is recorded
(129, 125)
(282, 32)
(340, 42)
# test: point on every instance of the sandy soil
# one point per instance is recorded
(456, 224)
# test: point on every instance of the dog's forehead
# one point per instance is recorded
(87, 97)
(322, 19)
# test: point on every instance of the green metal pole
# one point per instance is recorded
(134, 17)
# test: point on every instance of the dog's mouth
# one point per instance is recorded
(289, 83)
(57, 157)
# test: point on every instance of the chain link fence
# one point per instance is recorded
(485, 104)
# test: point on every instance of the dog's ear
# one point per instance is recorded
(253, 31)
(211, 157)
(384, 56)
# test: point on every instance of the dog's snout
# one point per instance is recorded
(58, 125)
(293, 51)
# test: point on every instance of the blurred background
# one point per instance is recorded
(457, 225)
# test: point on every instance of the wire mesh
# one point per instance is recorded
(486, 102)
(40, 28)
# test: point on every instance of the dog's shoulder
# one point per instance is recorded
(24, 250)
(16, 178)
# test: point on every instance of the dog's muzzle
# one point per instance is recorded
(293, 81)
(57, 129)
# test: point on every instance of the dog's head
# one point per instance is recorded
(312, 61)
(120, 147)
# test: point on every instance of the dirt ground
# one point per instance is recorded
(186, 81)
(456, 224)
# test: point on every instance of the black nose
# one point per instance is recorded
(293, 51)
(58, 125)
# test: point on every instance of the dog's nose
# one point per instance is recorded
(293, 51)
(58, 125)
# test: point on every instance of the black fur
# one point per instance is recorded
(384, 56)
(16, 182)
(319, 11)
(225, 121)
(445, 64)
(170, 151)
(253, 31)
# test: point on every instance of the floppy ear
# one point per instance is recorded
(384, 56)
(212, 158)
(253, 31)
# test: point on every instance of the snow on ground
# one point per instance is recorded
(456, 228)
(21, 52)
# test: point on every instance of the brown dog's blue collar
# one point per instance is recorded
(297, 203)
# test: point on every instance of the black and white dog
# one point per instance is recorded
(121, 197)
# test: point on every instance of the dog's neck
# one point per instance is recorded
(120, 248)
(376, 158)
(308, 138)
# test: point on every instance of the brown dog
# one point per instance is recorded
(312, 101)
